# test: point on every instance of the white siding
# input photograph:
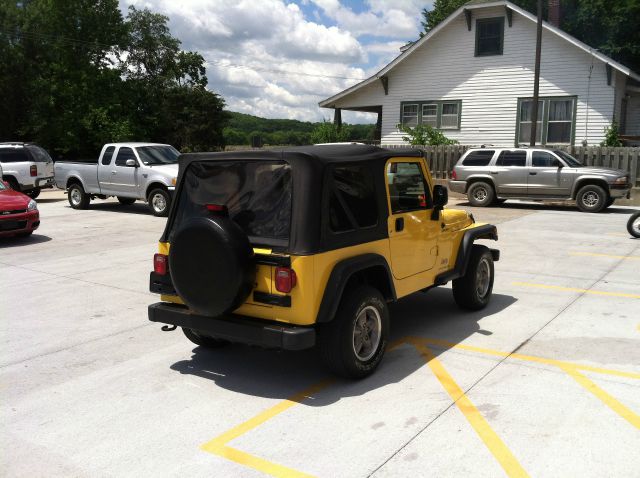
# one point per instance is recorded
(445, 68)
(633, 116)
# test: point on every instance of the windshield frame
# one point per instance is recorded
(145, 157)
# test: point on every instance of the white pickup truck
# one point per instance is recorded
(26, 167)
(129, 171)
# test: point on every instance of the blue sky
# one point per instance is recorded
(276, 58)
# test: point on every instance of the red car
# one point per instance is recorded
(18, 212)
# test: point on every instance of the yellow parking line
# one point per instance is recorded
(496, 446)
(630, 416)
(490, 438)
(528, 358)
(593, 254)
(573, 289)
(218, 446)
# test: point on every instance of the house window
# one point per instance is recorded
(489, 36)
(410, 115)
(526, 114)
(556, 120)
(430, 115)
(441, 114)
(450, 116)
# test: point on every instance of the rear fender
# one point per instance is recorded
(373, 264)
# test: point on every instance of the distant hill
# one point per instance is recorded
(242, 127)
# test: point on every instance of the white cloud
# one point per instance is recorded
(268, 37)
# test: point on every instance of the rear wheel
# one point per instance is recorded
(34, 193)
(480, 194)
(78, 199)
(159, 202)
(204, 340)
(353, 343)
(633, 226)
(126, 201)
(473, 290)
(591, 198)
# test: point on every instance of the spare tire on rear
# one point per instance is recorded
(211, 265)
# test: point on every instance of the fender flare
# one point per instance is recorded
(75, 179)
(340, 276)
(487, 231)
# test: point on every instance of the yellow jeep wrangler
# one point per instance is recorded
(305, 247)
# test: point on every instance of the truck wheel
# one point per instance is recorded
(353, 343)
(633, 226)
(159, 202)
(591, 198)
(126, 201)
(204, 340)
(609, 203)
(473, 290)
(78, 199)
(34, 193)
(480, 194)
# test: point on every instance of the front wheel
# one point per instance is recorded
(473, 290)
(353, 343)
(78, 199)
(633, 226)
(204, 340)
(159, 202)
(591, 198)
(480, 194)
(34, 193)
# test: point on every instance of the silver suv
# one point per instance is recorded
(491, 175)
(26, 167)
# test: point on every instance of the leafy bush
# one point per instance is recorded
(611, 136)
(425, 135)
(327, 132)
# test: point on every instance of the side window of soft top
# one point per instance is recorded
(407, 187)
(352, 200)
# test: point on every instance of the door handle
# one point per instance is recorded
(399, 224)
(532, 173)
(494, 172)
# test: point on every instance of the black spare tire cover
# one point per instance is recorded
(211, 265)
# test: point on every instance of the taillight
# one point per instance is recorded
(285, 279)
(219, 209)
(454, 176)
(160, 262)
(33, 170)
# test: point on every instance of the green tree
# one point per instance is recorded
(611, 136)
(327, 132)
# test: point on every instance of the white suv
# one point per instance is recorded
(26, 167)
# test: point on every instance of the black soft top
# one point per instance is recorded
(309, 165)
(322, 154)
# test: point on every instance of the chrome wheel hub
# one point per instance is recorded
(480, 194)
(158, 202)
(635, 225)
(367, 332)
(483, 278)
(590, 199)
(76, 196)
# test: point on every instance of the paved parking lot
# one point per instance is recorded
(544, 382)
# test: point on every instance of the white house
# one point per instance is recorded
(472, 77)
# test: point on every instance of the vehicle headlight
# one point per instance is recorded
(622, 180)
(174, 180)
(32, 205)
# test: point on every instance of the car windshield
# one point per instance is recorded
(570, 160)
(256, 194)
(155, 155)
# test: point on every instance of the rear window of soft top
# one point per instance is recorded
(257, 195)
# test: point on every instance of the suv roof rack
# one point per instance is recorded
(17, 143)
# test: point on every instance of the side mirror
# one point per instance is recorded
(440, 196)
(131, 163)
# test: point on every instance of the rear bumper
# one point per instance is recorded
(457, 186)
(45, 182)
(236, 328)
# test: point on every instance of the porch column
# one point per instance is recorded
(337, 118)
(377, 134)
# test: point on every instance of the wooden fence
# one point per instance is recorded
(441, 159)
